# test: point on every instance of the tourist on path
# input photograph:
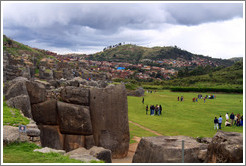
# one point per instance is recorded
(160, 109)
(215, 123)
(220, 121)
(147, 108)
(156, 109)
(232, 116)
(143, 100)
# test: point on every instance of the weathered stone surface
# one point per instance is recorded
(45, 112)
(74, 119)
(11, 134)
(73, 142)
(139, 92)
(50, 136)
(75, 95)
(21, 102)
(92, 83)
(202, 155)
(226, 147)
(109, 115)
(167, 149)
(36, 91)
(101, 154)
(48, 150)
(32, 132)
(16, 89)
(89, 141)
(81, 154)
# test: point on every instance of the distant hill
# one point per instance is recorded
(236, 59)
(229, 77)
(135, 54)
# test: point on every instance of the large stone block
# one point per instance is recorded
(73, 142)
(16, 89)
(75, 95)
(45, 113)
(89, 141)
(36, 91)
(74, 119)
(51, 136)
(225, 147)
(168, 149)
(21, 102)
(109, 115)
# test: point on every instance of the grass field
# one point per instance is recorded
(23, 153)
(187, 118)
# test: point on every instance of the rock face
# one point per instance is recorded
(75, 95)
(168, 149)
(45, 112)
(21, 102)
(139, 92)
(36, 92)
(50, 136)
(109, 116)
(16, 89)
(226, 147)
(72, 142)
(101, 154)
(81, 154)
(33, 132)
(74, 119)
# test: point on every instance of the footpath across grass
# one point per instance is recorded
(187, 118)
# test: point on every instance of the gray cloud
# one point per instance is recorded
(85, 26)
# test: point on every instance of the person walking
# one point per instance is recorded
(156, 109)
(143, 100)
(232, 116)
(147, 109)
(178, 98)
(220, 121)
(215, 123)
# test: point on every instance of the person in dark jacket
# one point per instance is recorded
(232, 116)
(147, 109)
(216, 123)
(160, 109)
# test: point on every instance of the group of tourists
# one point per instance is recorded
(181, 98)
(154, 110)
(235, 120)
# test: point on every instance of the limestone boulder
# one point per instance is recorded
(36, 92)
(50, 136)
(139, 92)
(49, 150)
(45, 112)
(32, 132)
(21, 102)
(168, 149)
(225, 147)
(109, 115)
(81, 154)
(72, 142)
(101, 154)
(11, 83)
(16, 89)
(92, 83)
(11, 134)
(75, 95)
(74, 119)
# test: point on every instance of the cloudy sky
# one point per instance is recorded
(211, 29)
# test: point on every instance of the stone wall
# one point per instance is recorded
(84, 117)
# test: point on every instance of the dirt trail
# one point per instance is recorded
(133, 146)
(145, 128)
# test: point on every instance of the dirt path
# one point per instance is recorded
(133, 146)
(146, 128)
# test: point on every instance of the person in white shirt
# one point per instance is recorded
(227, 116)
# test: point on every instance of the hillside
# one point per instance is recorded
(135, 54)
(236, 59)
(230, 77)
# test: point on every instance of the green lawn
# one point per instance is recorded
(184, 118)
(23, 153)
(13, 117)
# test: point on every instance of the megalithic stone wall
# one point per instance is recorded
(109, 116)
(84, 118)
